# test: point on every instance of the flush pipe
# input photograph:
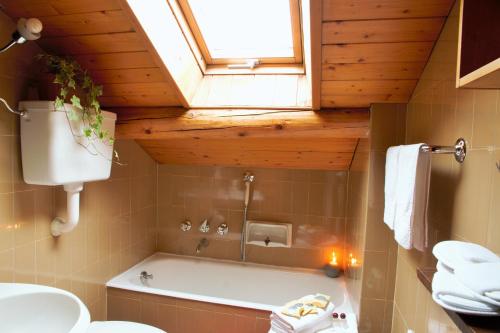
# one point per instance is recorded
(59, 225)
(248, 178)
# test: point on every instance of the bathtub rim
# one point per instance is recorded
(118, 282)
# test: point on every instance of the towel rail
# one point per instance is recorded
(459, 150)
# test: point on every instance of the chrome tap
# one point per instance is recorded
(144, 276)
(204, 226)
(203, 243)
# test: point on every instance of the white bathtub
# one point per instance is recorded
(231, 283)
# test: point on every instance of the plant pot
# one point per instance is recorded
(54, 150)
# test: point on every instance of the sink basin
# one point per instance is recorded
(28, 308)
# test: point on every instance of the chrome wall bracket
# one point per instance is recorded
(459, 150)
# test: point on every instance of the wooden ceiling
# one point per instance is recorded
(99, 35)
(371, 51)
(375, 50)
(253, 138)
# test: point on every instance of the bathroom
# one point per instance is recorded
(307, 140)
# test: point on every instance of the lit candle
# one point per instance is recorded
(353, 266)
(332, 269)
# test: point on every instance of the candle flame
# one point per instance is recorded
(334, 262)
(353, 261)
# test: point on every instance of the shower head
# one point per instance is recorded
(27, 29)
(248, 177)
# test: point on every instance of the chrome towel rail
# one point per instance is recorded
(459, 150)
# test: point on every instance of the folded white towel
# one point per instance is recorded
(442, 267)
(278, 327)
(412, 194)
(391, 180)
(448, 289)
(483, 279)
(453, 254)
(305, 324)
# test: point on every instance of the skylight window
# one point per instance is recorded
(235, 31)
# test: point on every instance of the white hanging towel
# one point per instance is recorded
(412, 197)
(391, 180)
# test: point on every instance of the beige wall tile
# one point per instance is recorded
(313, 201)
(485, 127)
(463, 198)
(7, 226)
(6, 156)
(493, 235)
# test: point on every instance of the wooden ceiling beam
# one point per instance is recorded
(178, 123)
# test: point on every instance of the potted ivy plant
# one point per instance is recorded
(69, 139)
(76, 87)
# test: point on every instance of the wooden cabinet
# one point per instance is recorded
(479, 44)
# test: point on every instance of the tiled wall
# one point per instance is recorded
(371, 243)
(117, 221)
(313, 201)
(380, 253)
(464, 199)
(176, 315)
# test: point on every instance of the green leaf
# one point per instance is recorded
(59, 102)
(87, 132)
(75, 101)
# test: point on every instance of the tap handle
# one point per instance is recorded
(205, 226)
(222, 229)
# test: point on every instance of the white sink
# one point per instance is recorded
(28, 308)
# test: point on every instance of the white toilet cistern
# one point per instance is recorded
(52, 155)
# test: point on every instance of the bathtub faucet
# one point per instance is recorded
(203, 243)
(144, 276)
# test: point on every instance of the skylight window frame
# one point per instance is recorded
(208, 62)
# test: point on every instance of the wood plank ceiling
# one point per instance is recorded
(375, 50)
(101, 37)
(372, 51)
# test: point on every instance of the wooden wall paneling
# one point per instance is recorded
(332, 100)
(374, 50)
(92, 44)
(380, 31)
(334, 10)
(131, 75)
(38, 8)
(373, 71)
(377, 52)
(118, 61)
(101, 22)
(144, 88)
(138, 101)
(369, 87)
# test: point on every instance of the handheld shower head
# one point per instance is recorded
(27, 29)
